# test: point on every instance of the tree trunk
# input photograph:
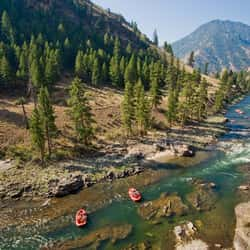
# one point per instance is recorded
(25, 116)
(49, 140)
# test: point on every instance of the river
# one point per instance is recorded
(109, 206)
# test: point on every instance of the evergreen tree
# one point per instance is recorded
(80, 112)
(131, 71)
(6, 28)
(47, 117)
(5, 70)
(142, 111)
(172, 106)
(79, 65)
(36, 74)
(155, 92)
(122, 68)
(96, 73)
(202, 100)
(129, 49)
(127, 109)
(219, 100)
(104, 75)
(23, 70)
(191, 59)
(155, 38)
(115, 74)
(114, 71)
(37, 134)
(206, 69)
(168, 48)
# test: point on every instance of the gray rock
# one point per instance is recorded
(16, 193)
(184, 232)
(60, 188)
(242, 231)
(243, 187)
(218, 245)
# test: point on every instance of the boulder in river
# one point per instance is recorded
(184, 150)
(94, 239)
(65, 186)
(203, 197)
(244, 187)
(193, 245)
(165, 206)
(184, 232)
(242, 231)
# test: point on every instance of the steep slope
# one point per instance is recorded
(80, 18)
(222, 44)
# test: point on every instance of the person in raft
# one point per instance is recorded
(81, 218)
(134, 194)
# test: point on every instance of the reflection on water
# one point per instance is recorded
(109, 206)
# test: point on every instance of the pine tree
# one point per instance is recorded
(219, 100)
(37, 134)
(131, 71)
(142, 111)
(191, 59)
(129, 49)
(36, 73)
(155, 38)
(185, 105)
(5, 70)
(168, 48)
(172, 106)
(79, 65)
(206, 69)
(122, 68)
(96, 73)
(155, 93)
(23, 70)
(114, 70)
(47, 117)
(106, 40)
(104, 75)
(127, 109)
(202, 100)
(80, 112)
(6, 28)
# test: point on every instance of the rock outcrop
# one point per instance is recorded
(94, 239)
(242, 231)
(65, 186)
(193, 245)
(184, 235)
(203, 197)
(165, 206)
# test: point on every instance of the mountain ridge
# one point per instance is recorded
(221, 43)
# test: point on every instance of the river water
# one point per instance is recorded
(109, 206)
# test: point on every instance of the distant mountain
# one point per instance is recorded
(222, 44)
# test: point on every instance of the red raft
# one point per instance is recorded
(81, 218)
(239, 111)
(134, 194)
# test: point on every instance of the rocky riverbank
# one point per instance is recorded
(113, 161)
(242, 231)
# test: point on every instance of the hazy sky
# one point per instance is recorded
(174, 19)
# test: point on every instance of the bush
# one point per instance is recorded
(20, 153)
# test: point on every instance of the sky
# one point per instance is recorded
(175, 19)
